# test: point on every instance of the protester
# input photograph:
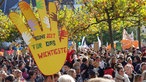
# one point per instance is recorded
(144, 76)
(129, 70)
(9, 78)
(138, 78)
(100, 80)
(72, 73)
(121, 76)
(80, 66)
(84, 69)
(18, 76)
(66, 78)
(142, 68)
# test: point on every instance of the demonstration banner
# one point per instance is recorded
(47, 45)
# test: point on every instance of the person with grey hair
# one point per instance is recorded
(66, 78)
(100, 80)
(72, 72)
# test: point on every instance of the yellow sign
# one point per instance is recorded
(47, 45)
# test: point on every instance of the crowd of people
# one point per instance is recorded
(84, 65)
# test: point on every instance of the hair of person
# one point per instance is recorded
(92, 73)
(66, 78)
(31, 72)
(67, 64)
(129, 58)
(119, 68)
(118, 65)
(90, 61)
(107, 76)
(97, 57)
(18, 70)
(71, 71)
(100, 80)
(138, 59)
(144, 75)
(10, 78)
(137, 78)
(57, 74)
(84, 59)
(128, 66)
(76, 64)
(143, 63)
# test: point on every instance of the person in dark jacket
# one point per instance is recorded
(84, 69)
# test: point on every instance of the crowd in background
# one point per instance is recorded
(85, 65)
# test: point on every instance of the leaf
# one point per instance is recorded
(39, 4)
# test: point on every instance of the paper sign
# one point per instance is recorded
(95, 46)
(47, 45)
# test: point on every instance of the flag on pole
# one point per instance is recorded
(99, 42)
(132, 36)
(106, 44)
(83, 39)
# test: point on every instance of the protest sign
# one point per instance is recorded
(47, 45)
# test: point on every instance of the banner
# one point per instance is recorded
(48, 48)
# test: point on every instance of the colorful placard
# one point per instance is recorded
(47, 45)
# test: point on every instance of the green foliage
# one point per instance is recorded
(77, 23)
(8, 32)
(39, 4)
(95, 16)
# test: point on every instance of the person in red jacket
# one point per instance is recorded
(69, 57)
(109, 70)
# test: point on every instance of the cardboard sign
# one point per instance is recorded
(49, 49)
(95, 46)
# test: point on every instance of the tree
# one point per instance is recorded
(8, 31)
(76, 22)
(113, 12)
